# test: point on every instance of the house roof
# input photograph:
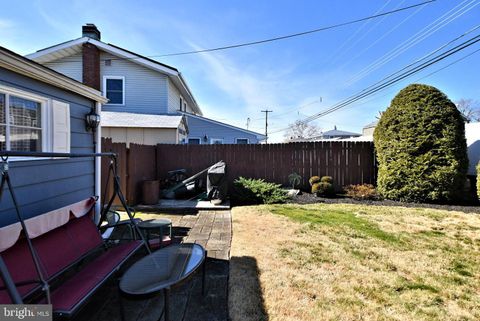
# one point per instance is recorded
(259, 136)
(71, 47)
(372, 124)
(19, 64)
(120, 119)
(336, 132)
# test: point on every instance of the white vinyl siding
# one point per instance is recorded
(145, 89)
(70, 66)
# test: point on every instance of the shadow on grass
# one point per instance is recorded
(245, 298)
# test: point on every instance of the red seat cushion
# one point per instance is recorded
(19, 262)
(56, 251)
(66, 297)
(84, 234)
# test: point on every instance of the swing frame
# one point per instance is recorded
(9, 284)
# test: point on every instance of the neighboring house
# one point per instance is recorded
(472, 134)
(207, 131)
(132, 83)
(369, 128)
(144, 129)
(334, 134)
(44, 111)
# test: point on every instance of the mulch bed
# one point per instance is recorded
(307, 198)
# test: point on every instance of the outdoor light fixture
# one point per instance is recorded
(92, 120)
(205, 138)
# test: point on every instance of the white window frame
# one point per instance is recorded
(214, 139)
(104, 89)
(248, 140)
(45, 112)
(199, 140)
(181, 103)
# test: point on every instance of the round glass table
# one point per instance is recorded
(156, 227)
(163, 269)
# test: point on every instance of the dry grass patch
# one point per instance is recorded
(351, 262)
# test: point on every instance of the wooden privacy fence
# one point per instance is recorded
(347, 162)
(135, 165)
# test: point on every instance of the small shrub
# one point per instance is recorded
(478, 180)
(315, 188)
(325, 189)
(361, 192)
(313, 180)
(257, 191)
(327, 179)
(294, 179)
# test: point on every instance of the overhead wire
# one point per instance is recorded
(365, 93)
(424, 33)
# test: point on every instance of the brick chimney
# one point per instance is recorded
(91, 57)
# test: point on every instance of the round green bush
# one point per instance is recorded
(325, 189)
(315, 187)
(421, 147)
(313, 180)
(327, 179)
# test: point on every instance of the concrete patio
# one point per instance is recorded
(212, 230)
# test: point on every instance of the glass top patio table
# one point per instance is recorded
(162, 269)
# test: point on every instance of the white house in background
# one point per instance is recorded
(472, 134)
(136, 84)
(144, 129)
(334, 134)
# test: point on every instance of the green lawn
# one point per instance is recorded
(356, 262)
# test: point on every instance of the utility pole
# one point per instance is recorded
(266, 123)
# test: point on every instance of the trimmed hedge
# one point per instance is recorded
(257, 191)
(421, 147)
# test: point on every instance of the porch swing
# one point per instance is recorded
(33, 266)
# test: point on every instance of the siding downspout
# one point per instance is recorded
(98, 164)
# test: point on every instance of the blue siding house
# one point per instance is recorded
(44, 111)
(203, 130)
(137, 84)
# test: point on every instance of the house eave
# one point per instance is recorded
(19, 64)
(49, 54)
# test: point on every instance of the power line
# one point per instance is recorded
(364, 93)
(424, 65)
(390, 30)
(298, 34)
(428, 30)
(342, 24)
(338, 50)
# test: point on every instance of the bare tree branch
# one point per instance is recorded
(301, 130)
(470, 109)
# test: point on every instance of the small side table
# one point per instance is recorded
(160, 271)
(154, 232)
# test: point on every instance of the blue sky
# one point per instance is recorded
(236, 84)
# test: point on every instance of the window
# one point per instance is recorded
(216, 141)
(114, 89)
(242, 141)
(181, 104)
(31, 123)
(20, 123)
(194, 141)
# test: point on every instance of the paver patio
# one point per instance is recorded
(211, 229)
